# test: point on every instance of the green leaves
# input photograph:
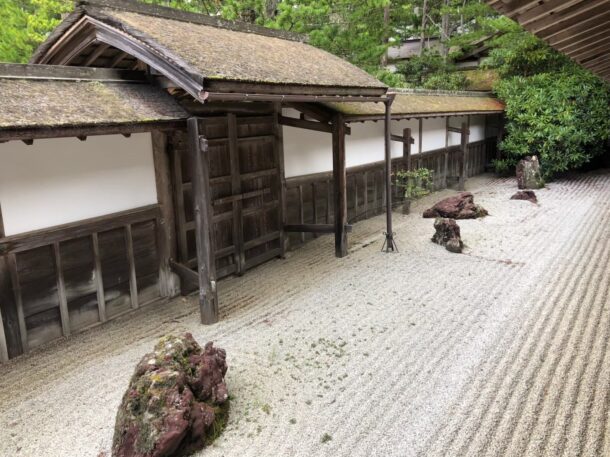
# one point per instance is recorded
(562, 116)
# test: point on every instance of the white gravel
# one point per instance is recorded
(500, 351)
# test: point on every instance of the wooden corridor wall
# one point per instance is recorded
(309, 198)
(246, 190)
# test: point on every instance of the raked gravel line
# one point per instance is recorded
(500, 351)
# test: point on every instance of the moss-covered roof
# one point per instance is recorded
(33, 96)
(210, 50)
(418, 102)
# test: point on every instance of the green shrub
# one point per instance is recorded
(562, 117)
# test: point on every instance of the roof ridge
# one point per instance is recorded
(187, 16)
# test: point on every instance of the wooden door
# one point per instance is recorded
(245, 188)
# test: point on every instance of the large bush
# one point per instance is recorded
(563, 118)
(554, 108)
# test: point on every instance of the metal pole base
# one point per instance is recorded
(389, 245)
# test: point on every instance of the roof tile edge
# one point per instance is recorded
(444, 93)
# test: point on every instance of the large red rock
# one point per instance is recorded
(448, 234)
(176, 400)
(460, 206)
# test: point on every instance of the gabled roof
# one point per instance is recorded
(53, 97)
(410, 103)
(203, 54)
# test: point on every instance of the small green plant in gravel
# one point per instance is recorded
(326, 438)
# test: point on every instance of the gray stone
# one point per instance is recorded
(528, 174)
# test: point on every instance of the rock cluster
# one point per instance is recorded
(176, 402)
(459, 206)
(528, 195)
(448, 234)
(528, 173)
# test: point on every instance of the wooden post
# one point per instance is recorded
(168, 282)
(389, 243)
(446, 167)
(421, 136)
(462, 157)
(3, 277)
(279, 151)
(340, 185)
(407, 141)
(202, 208)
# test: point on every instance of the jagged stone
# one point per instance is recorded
(448, 234)
(528, 195)
(459, 206)
(528, 174)
(176, 402)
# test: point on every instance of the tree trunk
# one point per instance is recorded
(424, 18)
(386, 34)
(445, 31)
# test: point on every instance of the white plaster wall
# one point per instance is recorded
(57, 181)
(307, 151)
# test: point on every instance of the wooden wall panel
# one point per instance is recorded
(78, 265)
(146, 256)
(38, 285)
(366, 189)
(116, 271)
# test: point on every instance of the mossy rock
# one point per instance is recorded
(176, 403)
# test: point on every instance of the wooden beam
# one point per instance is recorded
(340, 185)
(585, 43)
(446, 164)
(202, 208)
(122, 55)
(314, 228)
(573, 36)
(402, 139)
(27, 135)
(95, 54)
(551, 7)
(303, 124)
(189, 279)
(315, 111)
(568, 17)
(308, 125)
(576, 25)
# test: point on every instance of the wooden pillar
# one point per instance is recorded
(421, 136)
(446, 166)
(462, 157)
(3, 277)
(389, 244)
(340, 185)
(166, 228)
(279, 151)
(202, 208)
(407, 142)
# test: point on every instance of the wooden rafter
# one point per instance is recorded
(97, 52)
(578, 28)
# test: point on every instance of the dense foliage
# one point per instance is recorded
(554, 108)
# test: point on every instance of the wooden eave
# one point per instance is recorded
(578, 28)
